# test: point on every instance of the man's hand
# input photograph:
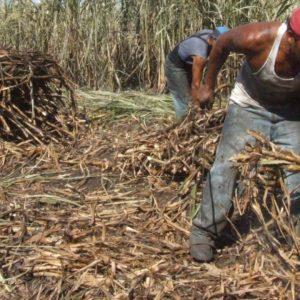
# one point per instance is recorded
(203, 99)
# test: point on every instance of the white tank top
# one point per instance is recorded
(265, 87)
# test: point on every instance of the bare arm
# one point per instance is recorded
(199, 64)
(233, 41)
(253, 40)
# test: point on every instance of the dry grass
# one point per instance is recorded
(108, 217)
(118, 44)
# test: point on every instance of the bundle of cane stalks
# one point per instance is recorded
(35, 98)
(263, 168)
(182, 150)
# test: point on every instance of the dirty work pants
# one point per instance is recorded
(281, 126)
(179, 82)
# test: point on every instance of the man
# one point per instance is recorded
(185, 65)
(266, 98)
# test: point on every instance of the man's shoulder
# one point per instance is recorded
(202, 34)
(193, 42)
(204, 31)
(255, 33)
(260, 25)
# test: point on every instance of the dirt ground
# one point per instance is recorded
(79, 222)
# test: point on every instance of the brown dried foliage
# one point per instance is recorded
(110, 217)
(35, 98)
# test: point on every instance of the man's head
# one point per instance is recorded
(294, 31)
(220, 30)
(216, 33)
(294, 23)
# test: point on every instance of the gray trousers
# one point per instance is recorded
(179, 84)
(281, 126)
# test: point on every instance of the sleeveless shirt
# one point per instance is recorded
(265, 87)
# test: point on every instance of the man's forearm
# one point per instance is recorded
(217, 58)
(197, 72)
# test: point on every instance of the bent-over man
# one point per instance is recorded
(184, 67)
(266, 98)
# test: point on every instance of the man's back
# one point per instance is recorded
(195, 45)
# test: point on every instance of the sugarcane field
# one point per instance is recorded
(149, 149)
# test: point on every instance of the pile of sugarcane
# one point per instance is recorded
(101, 220)
(36, 98)
(262, 168)
(184, 150)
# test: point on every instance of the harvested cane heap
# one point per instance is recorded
(110, 218)
(35, 98)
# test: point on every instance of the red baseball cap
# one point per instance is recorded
(295, 21)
